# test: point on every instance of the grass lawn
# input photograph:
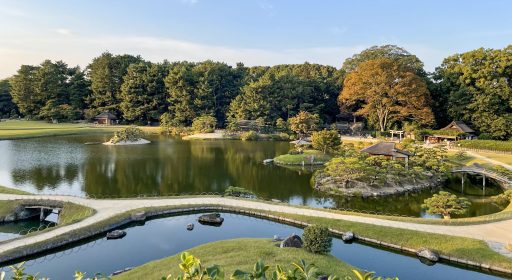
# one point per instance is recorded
(288, 159)
(505, 158)
(16, 129)
(240, 254)
(7, 190)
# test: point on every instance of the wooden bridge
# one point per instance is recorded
(477, 169)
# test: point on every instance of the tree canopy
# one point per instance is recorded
(385, 91)
(476, 88)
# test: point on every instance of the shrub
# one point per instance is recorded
(239, 192)
(485, 136)
(317, 239)
(446, 204)
(204, 124)
(129, 134)
(509, 246)
(325, 140)
(249, 136)
(504, 198)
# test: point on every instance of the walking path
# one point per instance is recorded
(496, 231)
(490, 160)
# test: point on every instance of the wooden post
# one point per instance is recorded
(463, 175)
(483, 183)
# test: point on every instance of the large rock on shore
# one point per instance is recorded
(293, 241)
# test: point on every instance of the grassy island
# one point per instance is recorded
(308, 157)
(230, 256)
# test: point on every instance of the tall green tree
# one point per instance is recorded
(106, 74)
(386, 91)
(23, 90)
(143, 92)
(7, 106)
(393, 52)
(476, 88)
(248, 106)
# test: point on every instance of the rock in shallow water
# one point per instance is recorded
(428, 254)
(213, 219)
(116, 234)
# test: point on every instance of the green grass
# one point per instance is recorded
(459, 247)
(18, 129)
(239, 254)
(493, 145)
(72, 213)
(505, 158)
(7, 207)
(288, 159)
(29, 129)
(7, 190)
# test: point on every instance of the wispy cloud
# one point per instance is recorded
(63, 31)
(25, 50)
(7, 11)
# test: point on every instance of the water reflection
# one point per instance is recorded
(65, 165)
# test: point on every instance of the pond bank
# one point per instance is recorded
(108, 210)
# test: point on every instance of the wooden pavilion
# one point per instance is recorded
(106, 118)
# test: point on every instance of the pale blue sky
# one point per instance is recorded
(256, 32)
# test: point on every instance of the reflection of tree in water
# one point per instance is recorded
(46, 176)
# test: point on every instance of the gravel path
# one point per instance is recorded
(494, 232)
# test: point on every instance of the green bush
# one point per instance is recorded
(249, 136)
(317, 239)
(239, 192)
(485, 136)
(129, 134)
(494, 145)
(204, 124)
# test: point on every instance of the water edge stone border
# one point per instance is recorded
(153, 214)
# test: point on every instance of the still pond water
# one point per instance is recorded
(167, 236)
(65, 165)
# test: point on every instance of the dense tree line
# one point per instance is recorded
(385, 84)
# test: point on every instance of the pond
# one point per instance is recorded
(65, 165)
(167, 236)
(17, 229)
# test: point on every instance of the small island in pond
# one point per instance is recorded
(128, 136)
(382, 169)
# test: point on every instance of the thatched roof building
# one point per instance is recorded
(106, 118)
(387, 149)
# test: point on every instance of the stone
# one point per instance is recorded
(347, 236)
(116, 234)
(268, 161)
(322, 277)
(428, 254)
(292, 241)
(190, 227)
(117, 272)
(213, 219)
(277, 238)
(139, 217)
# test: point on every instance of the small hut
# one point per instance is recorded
(388, 150)
(106, 118)
(456, 130)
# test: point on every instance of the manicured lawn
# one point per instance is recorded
(11, 191)
(15, 129)
(240, 254)
(507, 159)
(288, 159)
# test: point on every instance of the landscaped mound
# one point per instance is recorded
(360, 174)
(128, 136)
(307, 157)
(240, 254)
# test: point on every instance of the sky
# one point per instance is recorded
(255, 32)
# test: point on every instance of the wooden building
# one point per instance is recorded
(106, 118)
(456, 130)
(388, 150)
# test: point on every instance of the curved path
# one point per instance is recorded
(495, 232)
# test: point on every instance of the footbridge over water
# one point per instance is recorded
(477, 169)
